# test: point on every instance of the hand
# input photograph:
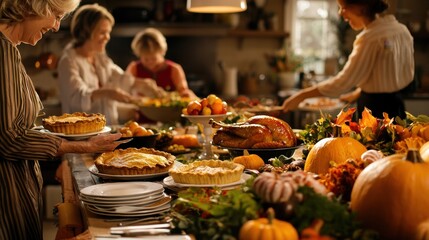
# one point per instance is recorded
(149, 88)
(104, 142)
(351, 97)
(292, 102)
(188, 93)
(121, 95)
(112, 93)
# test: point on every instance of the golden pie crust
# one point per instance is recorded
(207, 172)
(134, 161)
(75, 123)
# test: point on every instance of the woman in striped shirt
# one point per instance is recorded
(380, 65)
(26, 21)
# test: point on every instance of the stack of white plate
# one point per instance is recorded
(126, 199)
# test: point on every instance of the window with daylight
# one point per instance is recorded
(314, 32)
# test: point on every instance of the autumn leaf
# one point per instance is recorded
(344, 119)
(368, 121)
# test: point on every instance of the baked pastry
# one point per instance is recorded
(207, 172)
(134, 161)
(75, 123)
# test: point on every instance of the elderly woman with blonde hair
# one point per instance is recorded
(21, 146)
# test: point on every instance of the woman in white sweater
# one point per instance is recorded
(380, 65)
(89, 80)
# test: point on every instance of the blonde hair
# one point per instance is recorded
(14, 11)
(85, 20)
(149, 40)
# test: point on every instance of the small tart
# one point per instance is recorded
(75, 123)
(207, 172)
(133, 161)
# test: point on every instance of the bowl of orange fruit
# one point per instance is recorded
(165, 110)
(137, 135)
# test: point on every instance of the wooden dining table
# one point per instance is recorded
(74, 218)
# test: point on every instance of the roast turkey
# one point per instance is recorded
(259, 131)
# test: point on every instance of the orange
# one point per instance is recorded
(217, 107)
(133, 125)
(141, 131)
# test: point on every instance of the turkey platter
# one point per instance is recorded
(260, 131)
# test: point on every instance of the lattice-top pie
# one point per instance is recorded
(75, 123)
(207, 172)
(133, 161)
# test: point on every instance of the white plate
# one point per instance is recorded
(321, 104)
(164, 209)
(93, 169)
(131, 207)
(169, 181)
(134, 209)
(121, 189)
(77, 136)
(138, 199)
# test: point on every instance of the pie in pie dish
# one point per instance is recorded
(75, 123)
(207, 172)
(134, 161)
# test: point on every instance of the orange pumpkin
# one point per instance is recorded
(249, 161)
(390, 195)
(332, 149)
(267, 228)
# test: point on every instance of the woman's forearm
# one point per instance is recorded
(96, 144)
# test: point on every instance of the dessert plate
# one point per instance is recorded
(77, 136)
(137, 199)
(163, 209)
(169, 181)
(121, 189)
(161, 204)
(93, 169)
(135, 202)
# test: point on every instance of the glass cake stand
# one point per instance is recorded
(203, 120)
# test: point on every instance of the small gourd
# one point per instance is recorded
(268, 228)
(334, 149)
(424, 152)
(249, 161)
(282, 188)
(390, 195)
(423, 231)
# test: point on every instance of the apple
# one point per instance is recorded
(194, 107)
(206, 111)
(211, 99)
(204, 103)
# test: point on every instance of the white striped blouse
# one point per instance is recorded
(382, 60)
(20, 149)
